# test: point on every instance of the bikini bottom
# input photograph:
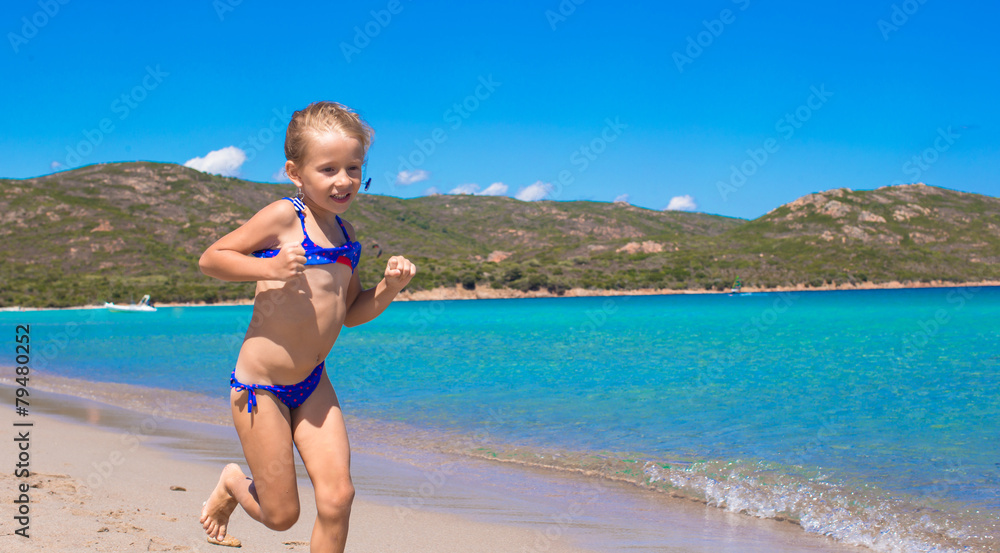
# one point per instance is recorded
(292, 396)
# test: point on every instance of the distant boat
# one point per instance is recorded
(144, 305)
(737, 285)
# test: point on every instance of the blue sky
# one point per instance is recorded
(730, 107)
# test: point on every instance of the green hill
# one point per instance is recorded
(116, 231)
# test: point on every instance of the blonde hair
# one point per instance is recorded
(323, 117)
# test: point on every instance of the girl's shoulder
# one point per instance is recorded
(278, 212)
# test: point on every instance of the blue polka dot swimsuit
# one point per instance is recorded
(292, 396)
(349, 254)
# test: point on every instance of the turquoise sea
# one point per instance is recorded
(869, 416)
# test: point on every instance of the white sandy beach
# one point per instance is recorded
(92, 489)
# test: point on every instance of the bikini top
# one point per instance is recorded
(348, 254)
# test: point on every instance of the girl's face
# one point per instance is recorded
(330, 175)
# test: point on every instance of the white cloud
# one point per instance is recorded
(534, 192)
(465, 189)
(495, 189)
(225, 162)
(432, 191)
(55, 165)
(682, 203)
(623, 199)
(406, 178)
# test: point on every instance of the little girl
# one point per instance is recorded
(303, 257)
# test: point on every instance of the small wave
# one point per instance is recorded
(854, 514)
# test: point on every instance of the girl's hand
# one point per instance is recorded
(289, 263)
(398, 272)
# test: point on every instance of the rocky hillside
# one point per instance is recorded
(117, 231)
(907, 233)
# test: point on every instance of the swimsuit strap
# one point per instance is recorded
(343, 228)
(300, 209)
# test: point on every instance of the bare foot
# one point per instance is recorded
(215, 515)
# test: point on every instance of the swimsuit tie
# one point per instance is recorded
(239, 387)
(291, 395)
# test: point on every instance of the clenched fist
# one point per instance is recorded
(289, 263)
(398, 272)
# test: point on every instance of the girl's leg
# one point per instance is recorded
(271, 496)
(321, 438)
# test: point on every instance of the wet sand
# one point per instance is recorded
(122, 481)
(102, 477)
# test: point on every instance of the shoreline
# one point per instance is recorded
(89, 456)
(457, 292)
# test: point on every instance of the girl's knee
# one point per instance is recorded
(335, 501)
(281, 519)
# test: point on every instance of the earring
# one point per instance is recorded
(299, 195)
(368, 183)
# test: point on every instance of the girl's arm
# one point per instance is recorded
(228, 259)
(364, 306)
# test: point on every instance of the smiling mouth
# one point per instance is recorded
(340, 197)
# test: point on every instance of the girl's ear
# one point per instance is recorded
(293, 173)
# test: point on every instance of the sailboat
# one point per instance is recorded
(737, 285)
(144, 305)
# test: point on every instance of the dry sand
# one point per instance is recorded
(94, 489)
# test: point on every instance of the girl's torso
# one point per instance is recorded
(295, 323)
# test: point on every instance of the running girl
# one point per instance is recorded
(303, 257)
